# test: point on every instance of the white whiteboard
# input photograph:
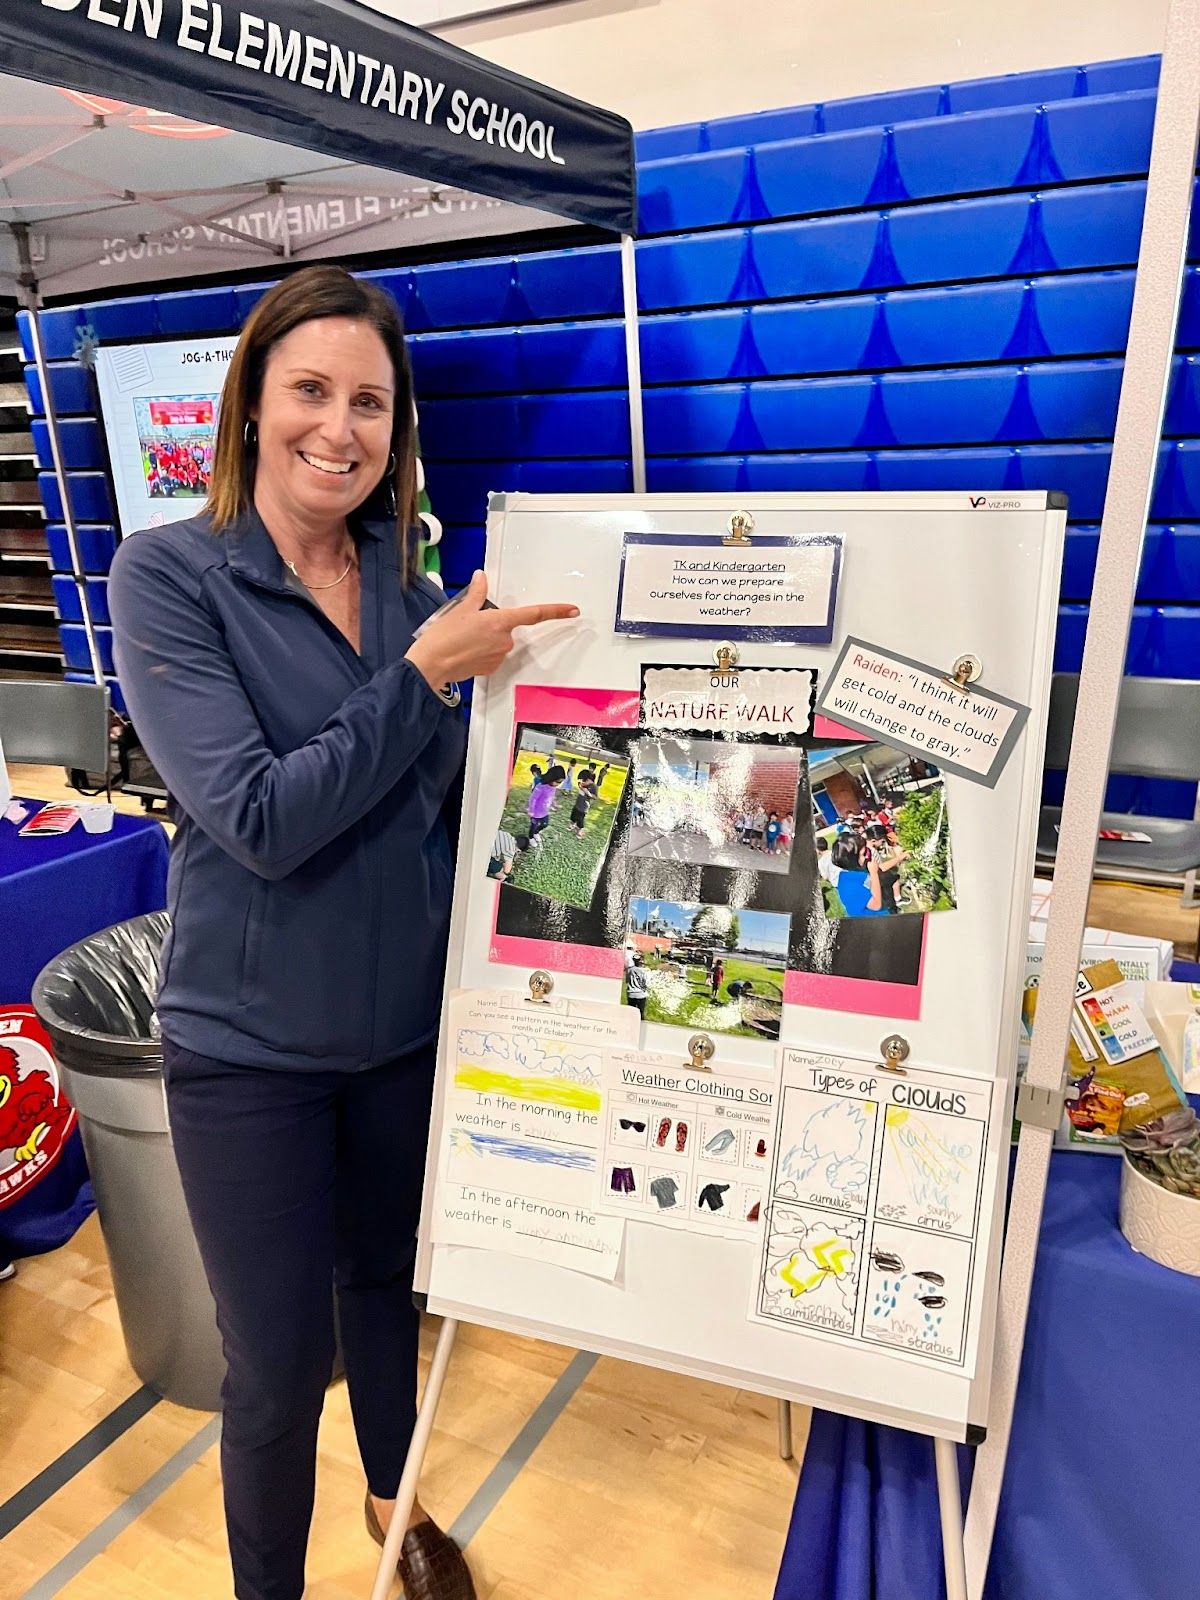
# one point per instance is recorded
(929, 576)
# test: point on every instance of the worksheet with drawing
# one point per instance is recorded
(667, 816)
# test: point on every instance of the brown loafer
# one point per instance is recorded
(431, 1566)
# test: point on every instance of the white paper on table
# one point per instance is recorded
(520, 1133)
(875, 1189)
(684, 1148)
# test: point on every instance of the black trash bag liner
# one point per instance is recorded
(96, 999)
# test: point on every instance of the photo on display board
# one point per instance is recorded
(557, 822)
(881, 832)
(175, 437)
(850, 964)
(706, 966)
(714, 802)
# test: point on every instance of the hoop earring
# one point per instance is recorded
(250, 435)
(389, 478)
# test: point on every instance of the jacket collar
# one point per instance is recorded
(251, 551)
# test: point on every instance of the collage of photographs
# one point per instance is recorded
(709, 859)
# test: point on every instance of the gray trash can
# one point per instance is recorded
(96, 1001)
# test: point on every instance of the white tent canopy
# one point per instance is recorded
(109, 194)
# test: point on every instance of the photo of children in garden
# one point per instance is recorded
(558, 818)
(714, 802)
(704, 966)
(882, 832)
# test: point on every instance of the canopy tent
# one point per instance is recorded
(273, 132)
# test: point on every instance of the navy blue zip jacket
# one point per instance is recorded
(310, 876)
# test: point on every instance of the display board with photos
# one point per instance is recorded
(769, 802)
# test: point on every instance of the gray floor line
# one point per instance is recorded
(485, 1499)
(126, 1513)
(73, 1460)
(482, 1503)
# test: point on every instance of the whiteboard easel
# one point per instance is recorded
(1147, 369)
(997, 598)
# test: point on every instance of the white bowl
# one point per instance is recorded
(1159, 1224)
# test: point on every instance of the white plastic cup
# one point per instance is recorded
(97, 818)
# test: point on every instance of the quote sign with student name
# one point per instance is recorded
(917, 709)
(774, 589)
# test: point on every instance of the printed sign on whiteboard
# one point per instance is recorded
(763, 703)
(968, 731)
(682, 1148)
(776, 590)
(521, 1130)
(874, 1209)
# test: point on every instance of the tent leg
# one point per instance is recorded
(29, 297)
(633, 362)
(950, 1504)
(406, 1494)
(1131, 478)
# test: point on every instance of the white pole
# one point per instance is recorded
(1130, 484)
(406, 1494)
(29, 295)
(950, 1505)
(633, 362)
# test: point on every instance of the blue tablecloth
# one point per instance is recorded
(1100, 1488)
(53, 892)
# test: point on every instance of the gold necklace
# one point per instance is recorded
(332, 585)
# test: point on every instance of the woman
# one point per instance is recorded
(310, 744)
(858, 886)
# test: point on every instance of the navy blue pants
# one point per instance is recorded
(296, 1182)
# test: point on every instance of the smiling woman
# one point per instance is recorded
(268, 652)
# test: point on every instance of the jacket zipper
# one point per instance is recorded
(361, 671)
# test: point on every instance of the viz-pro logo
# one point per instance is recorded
(980, 502)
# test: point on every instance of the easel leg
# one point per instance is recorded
(407, 1492)
(785, 1430)
(950, 1502)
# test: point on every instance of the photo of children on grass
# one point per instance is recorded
(709, 967)
(558, 818)
(714, 802)
(882, 832)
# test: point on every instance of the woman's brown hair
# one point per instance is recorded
(307, 295)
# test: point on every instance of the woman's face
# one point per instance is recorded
(324, 419)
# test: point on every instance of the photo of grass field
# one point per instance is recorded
(558, 817)
(707, 967)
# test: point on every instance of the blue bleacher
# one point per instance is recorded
(96, 545)
(1016, 147)
(1170, 569)
(973, 94)
(75, 647)
(70, 605)
(91, 500)
(80, 440)
(70, 384)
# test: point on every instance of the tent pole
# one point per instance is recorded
(1161, 257)
(29, 297)
(633, 361)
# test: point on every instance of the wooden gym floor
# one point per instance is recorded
(563, 1474)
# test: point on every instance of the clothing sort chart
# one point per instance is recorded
(310, 876)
